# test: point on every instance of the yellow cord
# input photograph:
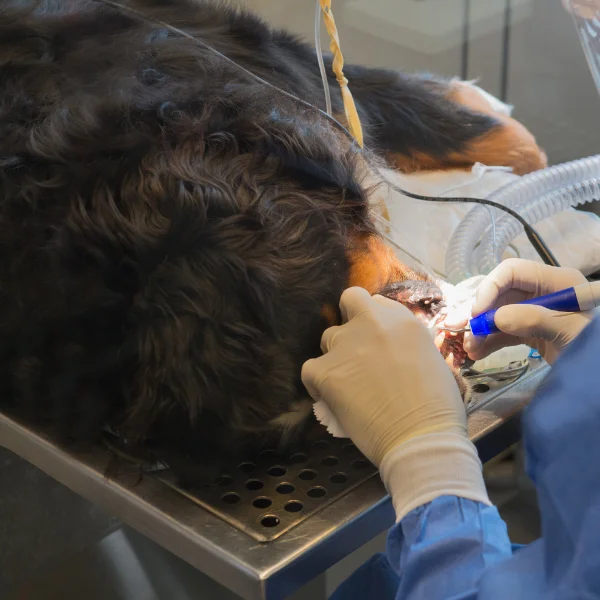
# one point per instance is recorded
(338, 65)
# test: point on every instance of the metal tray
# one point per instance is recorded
(267, 496)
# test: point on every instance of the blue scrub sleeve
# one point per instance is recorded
(440, 550)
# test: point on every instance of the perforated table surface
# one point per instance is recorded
(272, 525)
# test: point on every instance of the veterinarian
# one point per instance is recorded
(391, 391)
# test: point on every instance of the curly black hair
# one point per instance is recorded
(170, 230)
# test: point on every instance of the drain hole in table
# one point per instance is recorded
(285, 488)
(262, 502)
(308, 474)
(294, 506)
(277, 471)
(230, 498)
(481, 388)
(254, 484)
(338, 478)
(269, 521)
(316, 492)
(330, 461)
(224, 480)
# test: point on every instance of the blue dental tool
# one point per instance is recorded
(574, 299)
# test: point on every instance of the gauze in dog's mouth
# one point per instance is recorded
(431, 303)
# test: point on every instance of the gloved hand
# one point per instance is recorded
(393, 394)
(516, 280)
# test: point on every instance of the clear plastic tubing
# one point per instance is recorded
(535, 196)
(541, 194)
(553, 202)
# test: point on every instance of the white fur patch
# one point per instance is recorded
(496, 104)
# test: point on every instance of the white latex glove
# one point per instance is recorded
(393, 394)
(516, 280)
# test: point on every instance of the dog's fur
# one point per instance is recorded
(174, 235)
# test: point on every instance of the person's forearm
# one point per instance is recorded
(440, 463)
(442, 548)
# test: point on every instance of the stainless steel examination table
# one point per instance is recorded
(274, 524)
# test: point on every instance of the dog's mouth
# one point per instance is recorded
(426, 301)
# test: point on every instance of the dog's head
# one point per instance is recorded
(175, 237)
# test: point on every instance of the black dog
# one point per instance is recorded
(174, 235)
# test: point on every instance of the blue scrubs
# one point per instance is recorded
(457, 549)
